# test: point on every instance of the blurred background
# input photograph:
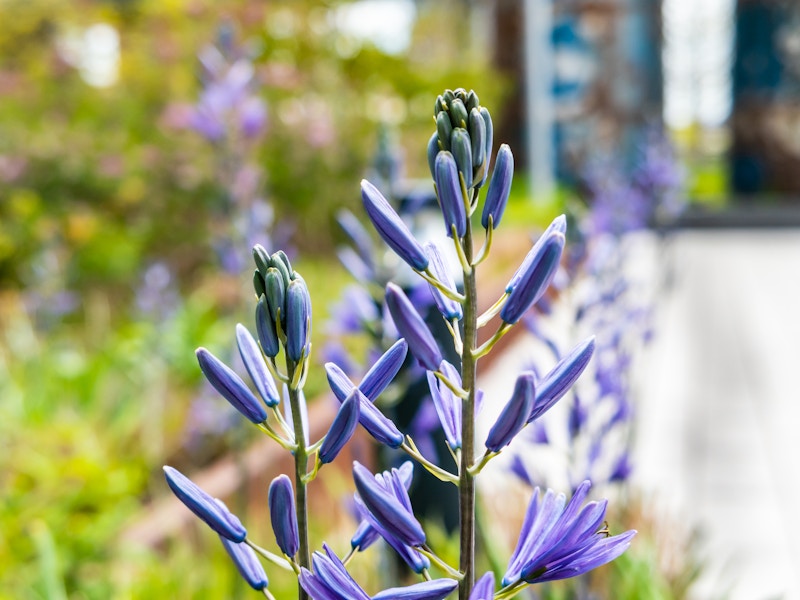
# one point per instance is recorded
(145, 146)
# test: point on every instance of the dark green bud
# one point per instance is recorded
(472, 101)
(444, 129)
(477, 134)
(448, 96)
(462, 151)
(280, 255)
(458, 114)
(258, 283)
(261, 256)
(265, 328)
(433, 150)
(276, 295)
(439, 105)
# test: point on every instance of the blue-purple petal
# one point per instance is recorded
(412, 327)
(256, 367)
(230, 386)
(247, 563)
(514, 415)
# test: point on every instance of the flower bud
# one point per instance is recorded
(451, 198)
(342, 428)
(215, 514)
(265, 329)
(230, 386)
(445, 129)
(383, 372)
(458, 114)
(412, 327)
(275, 286)
(499, 187)
(487, 121)
(541, 265)
(514, 415)
(247, 563)
(370, 417)
(561, 378)
(282, 515)
(461, 148)
(449, 308)
(254, 363)
(392, 228)
(433, 150)
(477, 136)
(298, 319)
(262, 258)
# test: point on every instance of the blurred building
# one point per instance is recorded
(765, 153)
(604, 84)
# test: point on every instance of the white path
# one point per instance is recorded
(720, 414)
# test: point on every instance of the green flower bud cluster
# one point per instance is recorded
(283, 312)
(463, 128)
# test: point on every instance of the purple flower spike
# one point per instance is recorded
(254, 363)
(282, 515)
(412, 327)
(499, 187)
(535, 279)
(247, 562)
(450, 309)
(383, 372)
(558, 542)
(436, 589)
(298, 319)
(484, 588)
(209, 510)
(514, 416)
(447, 404)
(370, 417)
(559, 224)
(231, 386)
(342, 428)
(392, 228)
(329, 579)
(451, 200)
(561, 378)
(389, 505)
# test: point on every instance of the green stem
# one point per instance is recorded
(300, 469)
(469, 373)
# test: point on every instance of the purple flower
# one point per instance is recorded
(213, 512)
(450, 309)
(561, 378)
(447, 404)
(247, 562)
(514, 415)
(535, 275)
(383, 372)
(413, 328)
(392, 228)
(370, 530)
(484, 588)
(372, 419)
(256, 367)
(559, 224)
(387, 502)
(282, 515)
(448, 187)
(329, 580)
(558, 542)
(341, 430)
(499, 188)
(230, 386)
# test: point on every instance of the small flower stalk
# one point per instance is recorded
(557, 540)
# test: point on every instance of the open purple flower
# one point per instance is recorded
(329, 580)
(386, 499)
(559, 542)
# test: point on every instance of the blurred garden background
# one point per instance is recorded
(145, 146)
